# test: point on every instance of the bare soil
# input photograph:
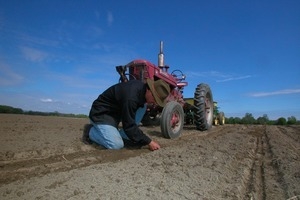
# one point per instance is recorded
(44, 158)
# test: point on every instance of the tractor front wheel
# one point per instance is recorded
(172, 120)
(203, 107)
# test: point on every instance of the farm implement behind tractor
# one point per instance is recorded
(219, 117)
(173, 116)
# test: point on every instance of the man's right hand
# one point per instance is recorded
(153, 146)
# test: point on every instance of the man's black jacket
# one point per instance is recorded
(120, 103)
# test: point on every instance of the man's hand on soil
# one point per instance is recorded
(153, 146)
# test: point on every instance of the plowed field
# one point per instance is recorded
(44, 158)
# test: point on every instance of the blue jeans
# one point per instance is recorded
(109, 136)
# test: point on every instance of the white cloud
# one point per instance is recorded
(234, 78)
(220, 76)
(279, 92)
(1, 22)
(35, 40)
(95, 31)
(33, 55)
(208, 74)
(8, 76)
(110, 18)
(47, 100)
(97, 14)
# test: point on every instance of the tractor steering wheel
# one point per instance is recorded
(178, 75)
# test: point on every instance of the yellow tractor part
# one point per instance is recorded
(219, 117)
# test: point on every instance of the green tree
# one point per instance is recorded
(237, 120)
(248, 119)
(229, 120)
(9, 109)
(233, 120)
(281, 121)
(263, 120)
(292, 120)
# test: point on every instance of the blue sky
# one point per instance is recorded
(59, 55)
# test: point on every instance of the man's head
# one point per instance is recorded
(160, 91)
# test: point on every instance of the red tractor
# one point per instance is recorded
(173, 116)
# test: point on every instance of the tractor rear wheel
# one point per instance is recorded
(172, 120)
(203, 107)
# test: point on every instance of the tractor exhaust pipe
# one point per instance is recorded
(161, 63)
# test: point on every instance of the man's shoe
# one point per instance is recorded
(85, 137)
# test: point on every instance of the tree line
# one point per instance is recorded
(12, 110)
(249, 119)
